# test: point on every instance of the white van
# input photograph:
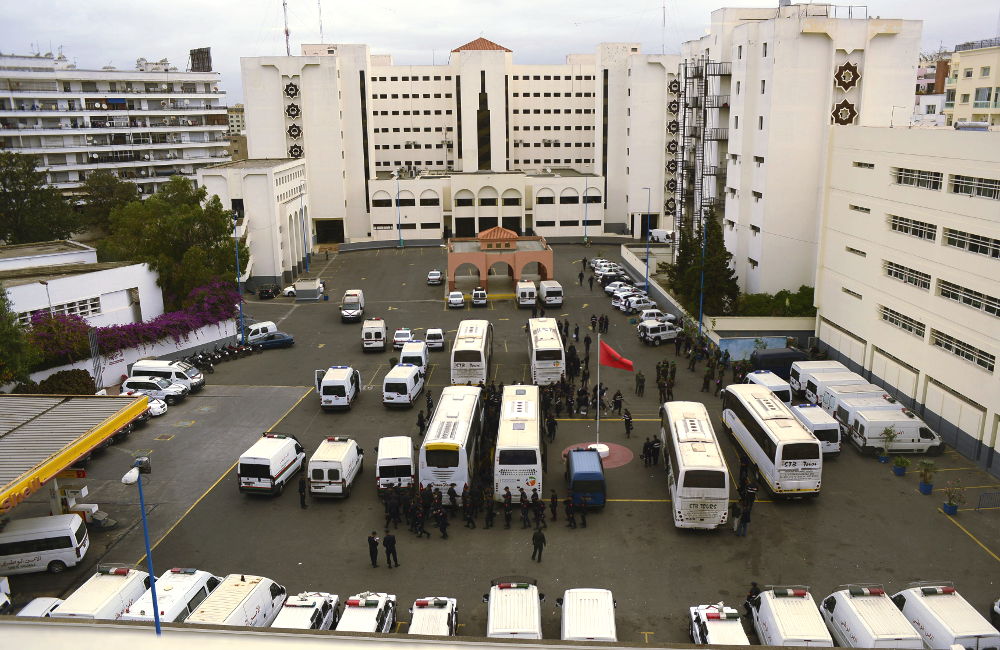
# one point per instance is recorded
(334, 466)
(415, 352)
(788, 616)
(402, 385)
(369, 612)
(661, 235)
(176, 372)
(526, 293)
(822, 425)
(257, 331)
(716, 624)
(913, 434)
(816, 381)
(352, 305)
(241, 601)
(653, 332)
(269, 464)
(515, 611)
(435, 338)
(831, 394)
(178, 593)
(551, 293)
(41, 607)
(434, 616)
(5, 599)
(588, 615)
(944, 619)
(781, 388)
(800, 367)
(337, 387)
(373, 333)
(864, 617)
(42, 544)
(847, 408)
(106, 595)
(310, 610)
(394, 463)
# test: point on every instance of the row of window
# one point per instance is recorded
(552, 111)
(963, 350)
(409, 146)
(555, 77)
(986, 188)
(289, 177)
(407, 226)
(555, 161)
(412, 129)
(437, 112)
(410, 163)
(387, 203)
(739, 51)
(553, 94)
(82, 308)
(905, 274)
(553, 143)
(410, 96)
(519, 161)
(979, 244)
(902, 321)
(413, 78)
(552, 224)
(487, 201)
(554, 127)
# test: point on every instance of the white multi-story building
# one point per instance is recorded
(908, 282)
(760, 92)
(237, 119)
(477, 142)
(270, 202)
(145, 124)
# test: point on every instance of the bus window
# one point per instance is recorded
(441, 457)
(517, 457)
(800, 451)
(701, 478)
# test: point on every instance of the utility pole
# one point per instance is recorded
(288, 46)
(319, 5)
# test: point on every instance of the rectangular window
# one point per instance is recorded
(763, 50)
(382, 226)
(760, 122)
(985, 188)
(545, 200)
(969, 298)
(920, 229)
(406, 202)
(430, 201)
(736, 121)
(917, 178)
(864, 165)
(464, 203)
(83, 308)
(964, 350)
(967, 73)
(430, 226)
(569, 199)
(978, 244)
(545, 224)
(592, 198)
(853, 294)
(984, 71)
(569, 223)
(901, 321)
(515, 200)
(758, 160)
(762, 86)
(859, 208)
(488, 201)
(739, 52)
(905, 274)
(381, 203)
(856, 251)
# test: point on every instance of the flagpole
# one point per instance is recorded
(598, 387)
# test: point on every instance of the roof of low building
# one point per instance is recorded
(255, 163)
(13, 251)
(481, 44)
(496, 232)
(17, 277)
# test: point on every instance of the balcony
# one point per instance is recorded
(982, 104)
(978, 45)
(712, 170)
(719, 69)
(694, 71)
(717, 134)
(717, 101)
(951, 81)
(949, 104)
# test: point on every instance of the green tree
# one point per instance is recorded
(183, 236)
(103, 192)
(17, 355)
(30, 210)
(678, 272)
(721, 291)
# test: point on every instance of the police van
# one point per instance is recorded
(830, 396)
(434, 616)
(862, 616)
(241, 600)
(781, 388)
(178, 593)
(551, 293)
(912, 434)
(373, 333)
(817, 380)
(352, 305)
(268, 466)
(107, 594)
(334, 466)
(310, 610)
(717, 625)
(176, 372)
(415, 353)
(402, 385)
(943, 618)
(796, 373)
(514, 609)
(370, 611)
(525, 293)
(394, 462)
(788, 616)
(847, 408)
(588, 615)
(337, 386)
(822, 425)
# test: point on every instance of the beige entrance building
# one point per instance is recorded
(499, 246)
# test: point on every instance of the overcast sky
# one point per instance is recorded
(96, 33)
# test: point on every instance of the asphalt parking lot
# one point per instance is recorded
(868, 526)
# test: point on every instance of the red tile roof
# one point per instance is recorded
(496, 232)
(481, 44)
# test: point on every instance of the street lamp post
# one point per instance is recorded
(239, 304)
(649, 193)
(399, 230)
(48, 296)
(586, 187)
(134, 476)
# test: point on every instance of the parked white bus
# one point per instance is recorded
(471, 353)
(545, 347)
(696, 469)
(450, 449)
(42, 544)
(788, 457)
(517, 462)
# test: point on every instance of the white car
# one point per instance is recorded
(435, 338)
(637, 303)
(657, 315)
(289, 291)
(156, 387)
(434, 276)
(40, 607)
(618, 300)
(456, 299)
(598, 260)
(157, 407)
(616, 286)
(402, 336)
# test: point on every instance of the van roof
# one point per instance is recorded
(953, 611)
(401, 371)
(332, 450)
(296, 612)
(767, 378)
(880, 615)
(589, 614)
(221, 603)
(522, 283)
(353, 292)
(817, 365)
(431, 621)
(338, 373)
(887, 415)
(835, 377)
(870, 401)
(797, 617)
(513, 611)
(549, 283)
(156, 363)
(361, 619)
(414, 346)
(97, 590)
(853, 389)
(395, 447)
(813, 414)
(266, 447)
(585, 460)
(33, 525)
(171, 588)
(377, 323)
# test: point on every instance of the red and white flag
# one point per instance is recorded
(610, 358)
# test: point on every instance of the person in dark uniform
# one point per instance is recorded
(538, 545)
(430, 403)
(640, 384)
(506, 514)
(580, 277)
(583, 510)
(389, 542)
(525, 508)
(539, 509)
(452, 500)
(442, 522)
(753, 593)
(590, 280)
(655, 448)
(646, 453)
(421, 423)
(707, 379)
(627, 417)
(418, 517)
(554, 504)
(491, 512)
(568, 510)
(302, 492)
(550, 425)
(373, 548)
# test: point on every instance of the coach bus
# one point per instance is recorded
(545, 346)
(472, 352)
(696, 470)
(517, 461)
(449, 451)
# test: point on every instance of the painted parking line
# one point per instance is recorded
(217, 481)
(971, 536)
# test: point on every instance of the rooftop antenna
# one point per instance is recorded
(663, 30)
(319, 5)
(288, 46)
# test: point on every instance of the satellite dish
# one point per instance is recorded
(187, 102)
(225, 153)
(146, 157)
(164, 86)
(163, 103)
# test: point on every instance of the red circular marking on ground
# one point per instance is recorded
(618, 455)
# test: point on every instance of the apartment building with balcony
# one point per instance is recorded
(908, 280)
(562, 149)
(972, 90)
(759, 93)
(145, 124)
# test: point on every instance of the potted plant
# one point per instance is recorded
(954, 497)
(889, 434)
(926, 469)
(899, 465)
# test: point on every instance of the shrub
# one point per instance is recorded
(68, 382)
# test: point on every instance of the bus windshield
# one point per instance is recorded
(517, 457)
(468, 356)
(548, 355)
(800, 451)
(704, 478)
(441, 457)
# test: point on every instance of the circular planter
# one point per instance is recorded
(925, 488)
(883, 459)
(949, 509)
(898, 471)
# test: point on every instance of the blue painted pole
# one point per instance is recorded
(149, 558)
